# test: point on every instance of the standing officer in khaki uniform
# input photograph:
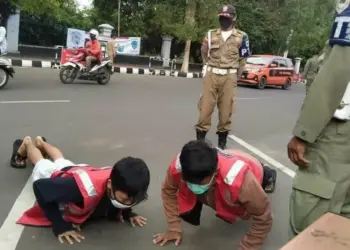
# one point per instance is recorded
(310, 71)
(224, 53)
(111, 46)
(321, 143)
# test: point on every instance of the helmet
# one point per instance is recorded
(228, 11)
(93, 32)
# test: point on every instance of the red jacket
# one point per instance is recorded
(94, 49)
(231, 172)
(92, 183)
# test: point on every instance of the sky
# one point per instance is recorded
(84, 3)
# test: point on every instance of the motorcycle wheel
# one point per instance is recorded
(68, 74)
(105, 76)
(4, 78)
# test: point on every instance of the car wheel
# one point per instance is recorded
(262, 83)
(287, 84)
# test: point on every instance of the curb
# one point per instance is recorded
(31, 63)
(121, 70)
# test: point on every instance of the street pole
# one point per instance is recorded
(119, 2)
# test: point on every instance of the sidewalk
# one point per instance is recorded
(118, 68)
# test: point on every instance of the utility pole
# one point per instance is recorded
(119, 2)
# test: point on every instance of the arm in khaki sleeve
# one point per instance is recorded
(204, 50)
(169, 197)
(327, 91)
(256, 202)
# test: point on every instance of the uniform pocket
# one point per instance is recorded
(214, 50)
(343, 127)
(311, 198)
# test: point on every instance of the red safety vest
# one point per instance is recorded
(232, 170)
(92, 183)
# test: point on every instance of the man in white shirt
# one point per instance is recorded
(3, 42)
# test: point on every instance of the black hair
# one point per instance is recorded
(113, 33)
(198, 161)
(131, 175)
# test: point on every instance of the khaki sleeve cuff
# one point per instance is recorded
(305, 134)
(175, 227)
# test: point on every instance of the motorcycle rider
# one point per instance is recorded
(94, 53)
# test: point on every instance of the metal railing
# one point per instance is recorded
(162, 59)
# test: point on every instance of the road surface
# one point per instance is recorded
(144, 116)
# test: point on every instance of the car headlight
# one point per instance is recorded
(254, 71)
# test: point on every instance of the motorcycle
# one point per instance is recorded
(75, 68)
(6, 70)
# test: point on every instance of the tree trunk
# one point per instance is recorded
(186, 60)
(190, 21)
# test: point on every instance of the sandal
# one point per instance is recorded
(270, 177)
(17, 160)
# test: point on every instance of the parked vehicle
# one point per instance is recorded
(75, 68)
(268, 70)
(6, 71)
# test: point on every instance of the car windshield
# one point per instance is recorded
(258, 60)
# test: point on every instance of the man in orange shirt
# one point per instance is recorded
(94, 53)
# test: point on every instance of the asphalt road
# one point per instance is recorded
(143, 116)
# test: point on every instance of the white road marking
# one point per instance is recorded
(35, 101)
(10, 232)
(263, 156)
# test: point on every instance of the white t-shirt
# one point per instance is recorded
(226, 34)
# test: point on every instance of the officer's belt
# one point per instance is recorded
(219, 71)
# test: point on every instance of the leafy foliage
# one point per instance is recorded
(267, 22)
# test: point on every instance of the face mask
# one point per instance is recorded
(198, 189)
(117, 204)
(225, 23)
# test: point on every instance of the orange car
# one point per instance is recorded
(268, 70)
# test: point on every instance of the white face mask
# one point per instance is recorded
(117, 204)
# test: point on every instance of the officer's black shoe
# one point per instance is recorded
(222, 140)
(201, 135)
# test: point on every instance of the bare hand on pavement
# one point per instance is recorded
(70, 237)
(162, 238)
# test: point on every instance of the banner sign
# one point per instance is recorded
(75, 38)
(124, 45)
(128, 45)
(66, 54)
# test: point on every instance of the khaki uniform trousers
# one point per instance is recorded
(325, 185)
(217, 90)
(111, 58)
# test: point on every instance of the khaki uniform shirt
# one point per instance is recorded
(224, 54)
(111, 48)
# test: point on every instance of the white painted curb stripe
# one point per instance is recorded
(263, 156)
